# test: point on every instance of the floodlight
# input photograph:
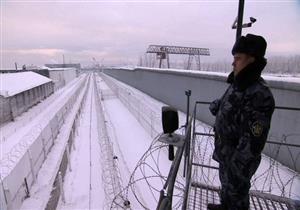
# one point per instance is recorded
(170, 124)
(169, 119)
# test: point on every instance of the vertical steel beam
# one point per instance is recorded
(168, 60)
(160, 62)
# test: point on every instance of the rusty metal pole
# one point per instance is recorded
(240, 19)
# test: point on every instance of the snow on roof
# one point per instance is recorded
(14, 83)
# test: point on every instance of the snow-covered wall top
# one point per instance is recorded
(276, 81)
(14, 83)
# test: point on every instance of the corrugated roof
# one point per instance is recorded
(14, 83)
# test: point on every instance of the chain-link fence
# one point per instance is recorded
(147, 114)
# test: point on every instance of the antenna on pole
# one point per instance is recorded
(238, 22)
(240, 19)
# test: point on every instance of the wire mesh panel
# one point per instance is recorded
(200, 195)
(273, 186)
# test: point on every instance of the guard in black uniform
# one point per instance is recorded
(243, 117)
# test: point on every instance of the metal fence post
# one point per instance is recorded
(68, 156)
(6, 193)
(73, 137)
(61, 187)
(151, 123)
(44, 149)
(31, 166)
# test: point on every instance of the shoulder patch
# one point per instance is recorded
(257, 129)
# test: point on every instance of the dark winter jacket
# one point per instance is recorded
(243, 116)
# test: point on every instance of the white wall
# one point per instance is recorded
(62, 77)
(70, 75)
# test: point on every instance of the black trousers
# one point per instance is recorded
(235, 184)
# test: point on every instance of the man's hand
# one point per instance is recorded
(214, 106)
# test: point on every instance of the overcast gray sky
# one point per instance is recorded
(118, 32)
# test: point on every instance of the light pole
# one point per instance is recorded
(240, 19)
(238, 22)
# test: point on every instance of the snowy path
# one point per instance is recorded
(82, 185)
(130, 142)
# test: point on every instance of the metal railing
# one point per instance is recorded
(202, 173)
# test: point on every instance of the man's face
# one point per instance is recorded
(240, 61)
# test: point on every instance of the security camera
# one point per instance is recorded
(252, 19)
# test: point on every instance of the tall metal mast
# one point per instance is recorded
(240, 19)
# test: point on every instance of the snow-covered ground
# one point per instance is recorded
(130, 142)
(83, 187)
(82, 184)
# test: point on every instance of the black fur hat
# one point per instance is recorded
(250, 44)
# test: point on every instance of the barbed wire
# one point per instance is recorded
(111, 177)
(147, 172)
(271, 177)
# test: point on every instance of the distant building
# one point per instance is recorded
(62, 76)
(20, 91)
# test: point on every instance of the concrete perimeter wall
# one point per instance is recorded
(169, 86)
